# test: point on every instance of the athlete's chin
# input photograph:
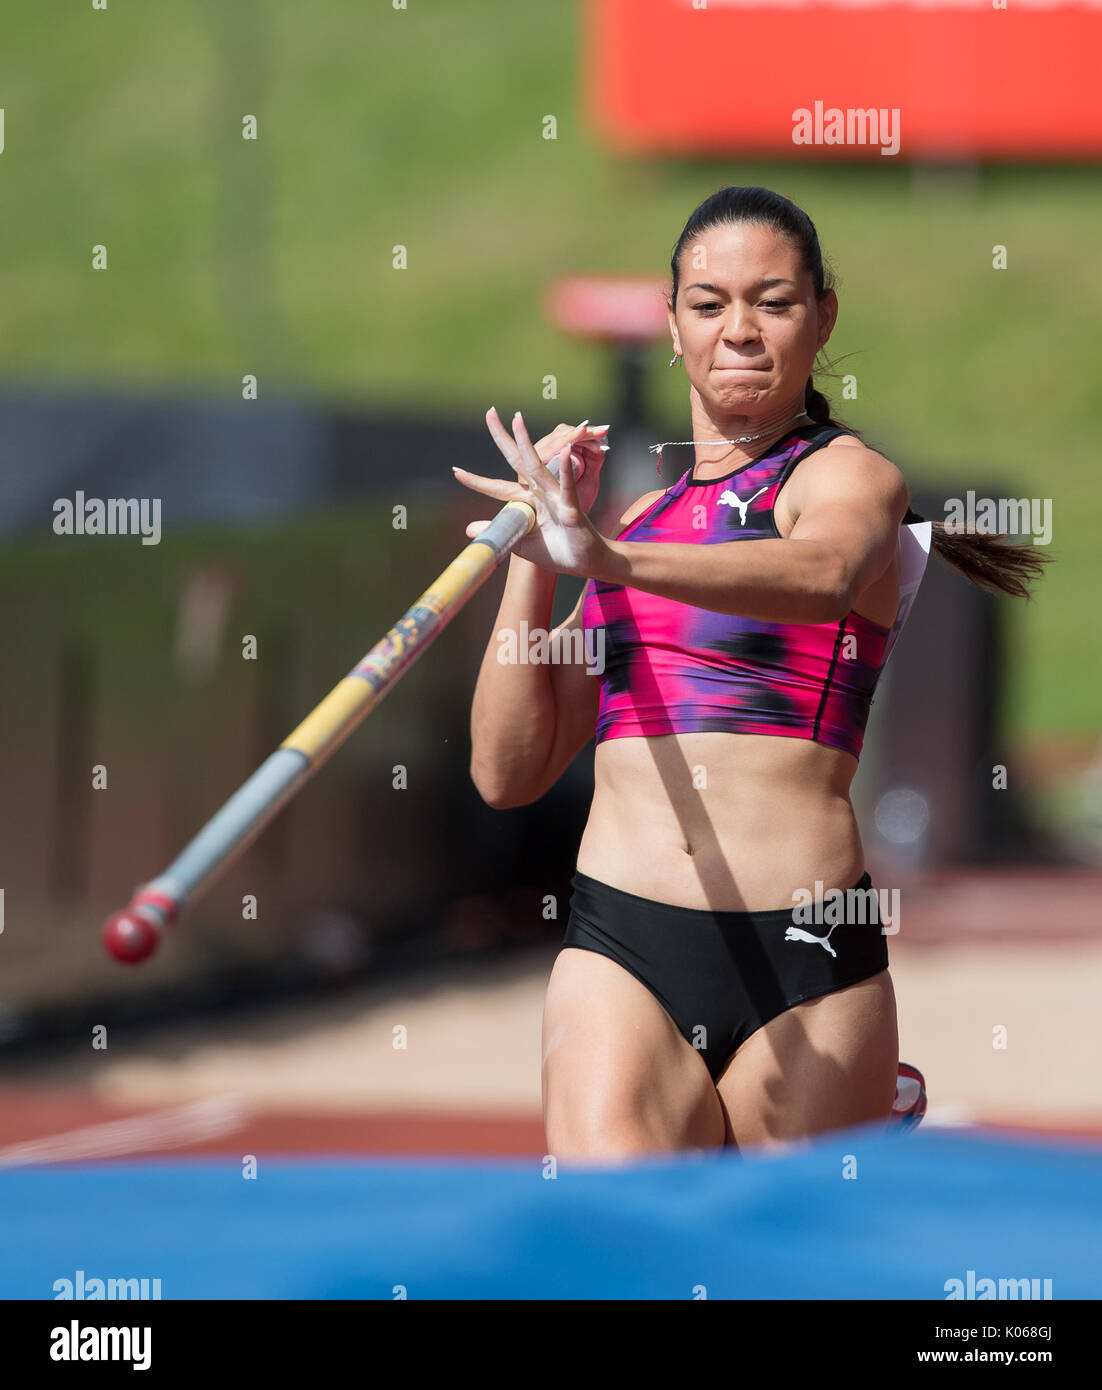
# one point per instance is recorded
(734, 394)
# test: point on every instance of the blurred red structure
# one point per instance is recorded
(728, 76)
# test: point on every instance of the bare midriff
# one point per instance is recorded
(731, 822)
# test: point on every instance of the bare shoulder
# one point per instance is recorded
(845, 467)
(857, 461)
(844, 473)
(637, 508)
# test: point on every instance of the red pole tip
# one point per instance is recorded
(128, 937)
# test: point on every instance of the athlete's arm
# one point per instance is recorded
(529, 722)
(848, 504)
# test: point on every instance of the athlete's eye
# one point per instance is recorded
(766, 303)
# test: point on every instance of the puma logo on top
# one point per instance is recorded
(731, 499)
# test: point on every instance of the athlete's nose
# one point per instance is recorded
(739, 325)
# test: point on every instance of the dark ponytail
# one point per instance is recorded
(818, 407)
(989, 561)
(992, 562)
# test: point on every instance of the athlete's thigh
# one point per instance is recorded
(824, 1064)
(618, 1077)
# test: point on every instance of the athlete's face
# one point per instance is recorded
(747, 321)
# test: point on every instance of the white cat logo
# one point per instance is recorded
(795, 934)
(730, 499)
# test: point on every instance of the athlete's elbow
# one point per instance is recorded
(832, 608)
(835, 591)
(498, 792)
(494, 793)
(505, 800)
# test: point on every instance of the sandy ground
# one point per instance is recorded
(473, 1044)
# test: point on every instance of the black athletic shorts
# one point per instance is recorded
(721, 975)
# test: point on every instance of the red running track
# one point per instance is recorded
(39, 1125)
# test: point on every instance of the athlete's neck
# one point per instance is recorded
(716, 460)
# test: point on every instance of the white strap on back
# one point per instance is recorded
(914, 551)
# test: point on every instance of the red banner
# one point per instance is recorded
(846, 79)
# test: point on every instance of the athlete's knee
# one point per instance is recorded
(619, 1132)
(601, 1147)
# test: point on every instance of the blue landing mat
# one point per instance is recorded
(923, 1209)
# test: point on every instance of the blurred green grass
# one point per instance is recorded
(423, 128)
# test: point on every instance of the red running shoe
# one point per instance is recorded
(909, 1105)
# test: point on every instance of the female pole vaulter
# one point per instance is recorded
(747, 613)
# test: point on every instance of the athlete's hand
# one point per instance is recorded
(563, 538)
(589, 446)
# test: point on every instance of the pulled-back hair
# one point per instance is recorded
(991, 561)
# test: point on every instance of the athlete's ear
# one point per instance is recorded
(828, 316)
(671, 319)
